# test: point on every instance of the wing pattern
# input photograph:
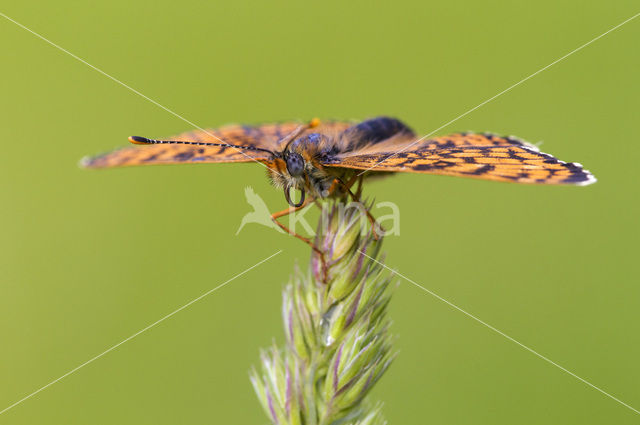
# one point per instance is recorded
(248, 137)
(483, 156)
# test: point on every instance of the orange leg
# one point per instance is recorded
(356, 198)
(359, 191)
(337, 182)
(275, 216)
(334, 184)
(283, 213)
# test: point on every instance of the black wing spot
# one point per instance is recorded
(448, 144)
(183, 156)
(483, 170)
(151, 158)
(423, 167)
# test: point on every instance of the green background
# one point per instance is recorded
(88, 258)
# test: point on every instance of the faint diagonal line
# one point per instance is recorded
(131, 89)
(501, 93)
(546, 359)
(139, 332)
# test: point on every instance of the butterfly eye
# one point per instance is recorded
(295, 165)
(287, 196)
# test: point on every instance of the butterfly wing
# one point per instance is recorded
(483, 156)
(251, 144)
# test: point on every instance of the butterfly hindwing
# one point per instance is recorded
(473, 155)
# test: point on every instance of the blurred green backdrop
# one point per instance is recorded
(88, 258)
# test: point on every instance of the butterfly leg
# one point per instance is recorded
(356, 198)
(359, 190)
(275, 216)
(283, 213)
(346, 186)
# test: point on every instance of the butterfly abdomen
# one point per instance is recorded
(374, 131)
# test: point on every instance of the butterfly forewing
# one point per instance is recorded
(482, 156)
(264, 136)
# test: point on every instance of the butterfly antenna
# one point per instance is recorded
(137, 140)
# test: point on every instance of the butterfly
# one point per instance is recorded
(325, 159)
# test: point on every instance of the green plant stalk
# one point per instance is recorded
(338, 342)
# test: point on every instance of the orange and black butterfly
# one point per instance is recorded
(324, 159)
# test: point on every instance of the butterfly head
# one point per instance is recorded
(297, 168)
